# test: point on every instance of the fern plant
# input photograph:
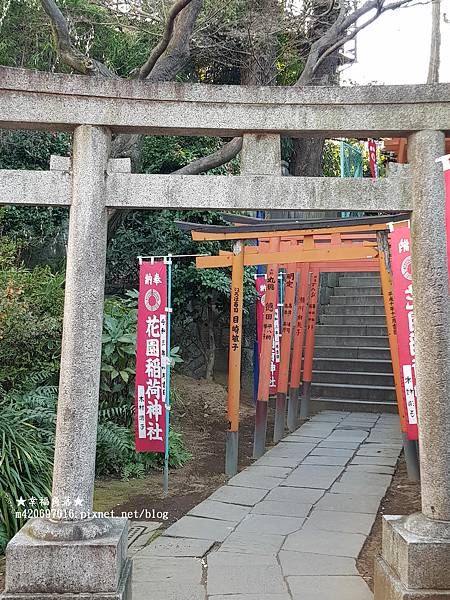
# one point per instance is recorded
(27, 429)
(25, 462)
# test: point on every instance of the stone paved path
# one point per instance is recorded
(289, 527)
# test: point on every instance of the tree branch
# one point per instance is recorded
(435, 50)
(68, 53)
(338, 35)
(216, 159)
(177, 52)
(161, 47)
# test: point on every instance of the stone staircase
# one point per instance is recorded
(352, 362)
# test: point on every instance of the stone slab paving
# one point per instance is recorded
(289, 527)
(139, 534)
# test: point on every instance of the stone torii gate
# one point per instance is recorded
(68, 557)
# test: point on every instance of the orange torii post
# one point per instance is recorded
(234, 359)
(285, 352)
(409, 446)
(262, 399)
(309, 343)
(296, 365)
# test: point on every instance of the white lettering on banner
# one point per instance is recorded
(153, 330)
(154, 409)
(410, 393)
(403, 246)
(154, 432)
(152, 347)
(153, 368)
(152, 279)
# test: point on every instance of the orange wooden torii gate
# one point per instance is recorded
(307, 248)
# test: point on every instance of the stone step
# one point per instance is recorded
(359, 274)
(356, 341)
(352, 330)
(354, 309)
(352, 364)
(339, 404)
(350, 281)
(357, 392)
(352, 352)
(353, 320)
(353, 291)
(367, 379)
(358, 300)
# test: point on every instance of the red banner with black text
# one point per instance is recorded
(151, 358)
(261, 287)
(404, 316)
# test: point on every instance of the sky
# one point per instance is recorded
(395, 49)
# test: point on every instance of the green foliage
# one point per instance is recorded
(118, 360)
(26, 442)
(40, 232)
(27, 426)
(155, 232)
(31, 305)
(331, 159)
(165, 154)
(31, 149)
(26, 38)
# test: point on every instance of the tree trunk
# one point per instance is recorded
(435, 50)
(306, 160)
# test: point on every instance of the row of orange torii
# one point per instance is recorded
(304, 249)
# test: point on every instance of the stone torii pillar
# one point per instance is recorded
(261, 155)
(415, 559)
(72, 553)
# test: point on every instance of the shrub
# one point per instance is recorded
(27, 427)
(31, 308)
(26, 459)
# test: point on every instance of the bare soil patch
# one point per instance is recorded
(200, 414)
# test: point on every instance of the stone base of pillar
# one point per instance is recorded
(84, 569)
(414, 560)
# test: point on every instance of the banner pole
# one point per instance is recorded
(168, 261)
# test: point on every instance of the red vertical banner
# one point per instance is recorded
(276, 353)
(404, 317)
(445, 160)
(286, 330)
(299, 332)
(268, 329)
(151, 358)
(261, 287)
(311, 324)
(373, 158)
